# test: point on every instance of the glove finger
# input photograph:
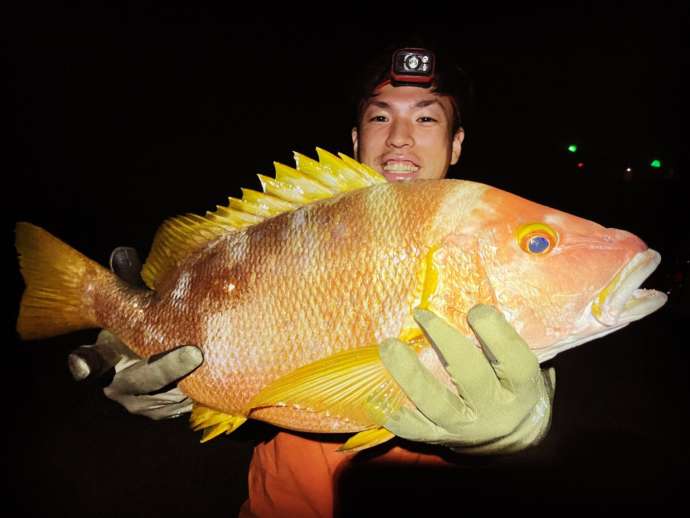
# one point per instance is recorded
(149, 376)
(125, 263)
(139, 404)
(154, 407)
(171, 411)
(430, 396)
(467, 365)
(166, 398)
(87, 361)
(92, 361)
(515, 365)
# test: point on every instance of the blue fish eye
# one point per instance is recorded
(537, 244)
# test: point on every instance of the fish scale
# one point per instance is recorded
(291, 317)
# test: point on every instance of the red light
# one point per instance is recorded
(580, 165)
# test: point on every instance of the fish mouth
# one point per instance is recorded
(622, 300)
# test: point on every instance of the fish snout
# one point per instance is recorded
(626, 240)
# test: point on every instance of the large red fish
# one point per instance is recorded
(288, 292)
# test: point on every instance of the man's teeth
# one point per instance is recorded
(400, 167)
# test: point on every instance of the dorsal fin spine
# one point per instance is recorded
(179, 237)
(313, 185)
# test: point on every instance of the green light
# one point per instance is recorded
(656, 164)
(572, 148)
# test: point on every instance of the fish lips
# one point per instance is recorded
(622, 301)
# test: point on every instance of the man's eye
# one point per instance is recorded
(426, 119)
(378, 118)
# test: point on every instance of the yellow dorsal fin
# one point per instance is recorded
(336, 167)
(366, 439)
(179, 237)
(260, 204)
(352, 384)
(307, 188)
(213, 422)
(371, 174)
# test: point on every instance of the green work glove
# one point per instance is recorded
(137, 382)
(503, 399)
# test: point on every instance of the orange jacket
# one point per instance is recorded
(294, 476)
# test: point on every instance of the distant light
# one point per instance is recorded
(656, 164)
(572, 148)
(580, 165)
(628, 170)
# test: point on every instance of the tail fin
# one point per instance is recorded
(57, 276)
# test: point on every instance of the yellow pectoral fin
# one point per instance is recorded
(366, 439)
(213, 422)
(346, 384)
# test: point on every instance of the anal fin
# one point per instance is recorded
(213, 422)
(366, 439)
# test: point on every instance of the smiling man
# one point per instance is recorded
(408, 133)
(410, 129)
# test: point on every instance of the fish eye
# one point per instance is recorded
(537, 244)
(537, 238)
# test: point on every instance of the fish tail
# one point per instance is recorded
(57, 279)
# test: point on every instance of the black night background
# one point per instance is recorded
(123, 117)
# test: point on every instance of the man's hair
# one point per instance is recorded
(449, 80)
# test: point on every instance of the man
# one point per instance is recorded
(408, 128)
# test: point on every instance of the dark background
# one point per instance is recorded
(124, 117)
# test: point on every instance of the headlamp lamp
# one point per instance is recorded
(413, 67)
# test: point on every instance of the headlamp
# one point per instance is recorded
(413, 67)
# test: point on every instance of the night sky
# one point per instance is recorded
(125, 117)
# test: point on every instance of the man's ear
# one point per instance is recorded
(355, 146)
(456, 147)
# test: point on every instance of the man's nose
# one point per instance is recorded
(400, 135)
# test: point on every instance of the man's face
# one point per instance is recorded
(405, 134)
